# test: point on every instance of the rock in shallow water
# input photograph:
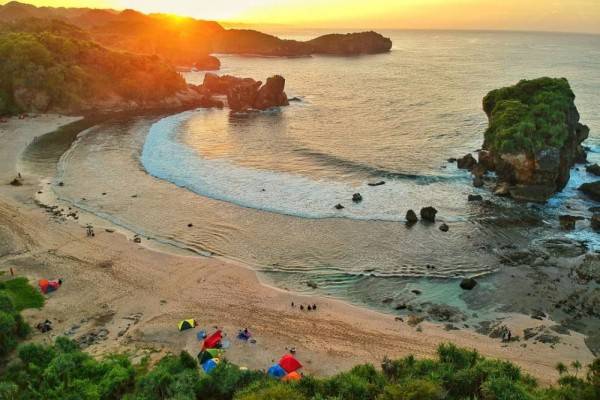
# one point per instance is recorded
(411, 217)
(428, 214)
(591, 189)
(468, 284)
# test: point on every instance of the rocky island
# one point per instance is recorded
(533, 140)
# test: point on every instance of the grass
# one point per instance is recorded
(22, 294)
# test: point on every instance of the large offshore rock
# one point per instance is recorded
(534, 137)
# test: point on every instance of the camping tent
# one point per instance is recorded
(289, 363)
(47, 286)
(187, 324)
(276, 371)
(210, 365)
(292, 376)
(208, 354)
(212, 341)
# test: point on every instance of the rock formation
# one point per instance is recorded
(244, 94)
(533, 139)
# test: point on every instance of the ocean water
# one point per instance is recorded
(261, 188)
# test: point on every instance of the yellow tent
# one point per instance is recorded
(187, 324)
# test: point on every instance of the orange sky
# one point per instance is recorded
(546, 15)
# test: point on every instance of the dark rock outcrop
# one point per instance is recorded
(350, 44)
(475, 197)
(208, 63)
(593, 169)
(595, 223)
(567, 222)
(411, 217)
(466, 162)
(244, 94)
(530, 151)
(591, 189)
(428, 214)
(357, 198)
(444, 228)
(468, 284)
(272, 94)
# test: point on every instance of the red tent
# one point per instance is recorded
(289, 363)
(212, 341)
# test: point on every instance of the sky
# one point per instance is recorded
(536, 15)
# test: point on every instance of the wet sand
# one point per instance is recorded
(138, 293)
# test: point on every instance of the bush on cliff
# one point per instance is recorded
(50, 65)
(529, 116)
(62, 371)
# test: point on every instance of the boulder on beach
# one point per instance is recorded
(339, 207)
(444, 228)
(357, 197)
(411, 217)
(534, 137)
(468, 284)
(428, 214)
(591, 189)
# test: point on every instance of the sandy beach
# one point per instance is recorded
(138, 293)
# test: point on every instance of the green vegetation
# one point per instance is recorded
(62, 371)
(529, 116)
(12, 326)
(52, 65)
(22, 294)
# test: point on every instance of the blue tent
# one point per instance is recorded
(276, 371)
(210, 365)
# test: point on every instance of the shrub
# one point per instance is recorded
(529, 116)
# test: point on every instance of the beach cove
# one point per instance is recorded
(109, 279)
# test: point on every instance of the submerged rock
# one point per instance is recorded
(339, 207)
(444, 228)
(475, 197)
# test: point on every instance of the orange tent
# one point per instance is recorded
(292, 376)
(43, 284)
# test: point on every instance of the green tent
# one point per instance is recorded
(208, 354)
(187, 324)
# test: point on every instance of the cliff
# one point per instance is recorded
(52, 66)
(187, 42)
(533, 139)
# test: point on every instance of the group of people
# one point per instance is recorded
(308, 307)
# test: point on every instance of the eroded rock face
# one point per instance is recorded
(272, 94)
(244, 94)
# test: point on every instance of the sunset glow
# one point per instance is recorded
(544, 15)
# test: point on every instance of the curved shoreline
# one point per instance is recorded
(131, 283)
